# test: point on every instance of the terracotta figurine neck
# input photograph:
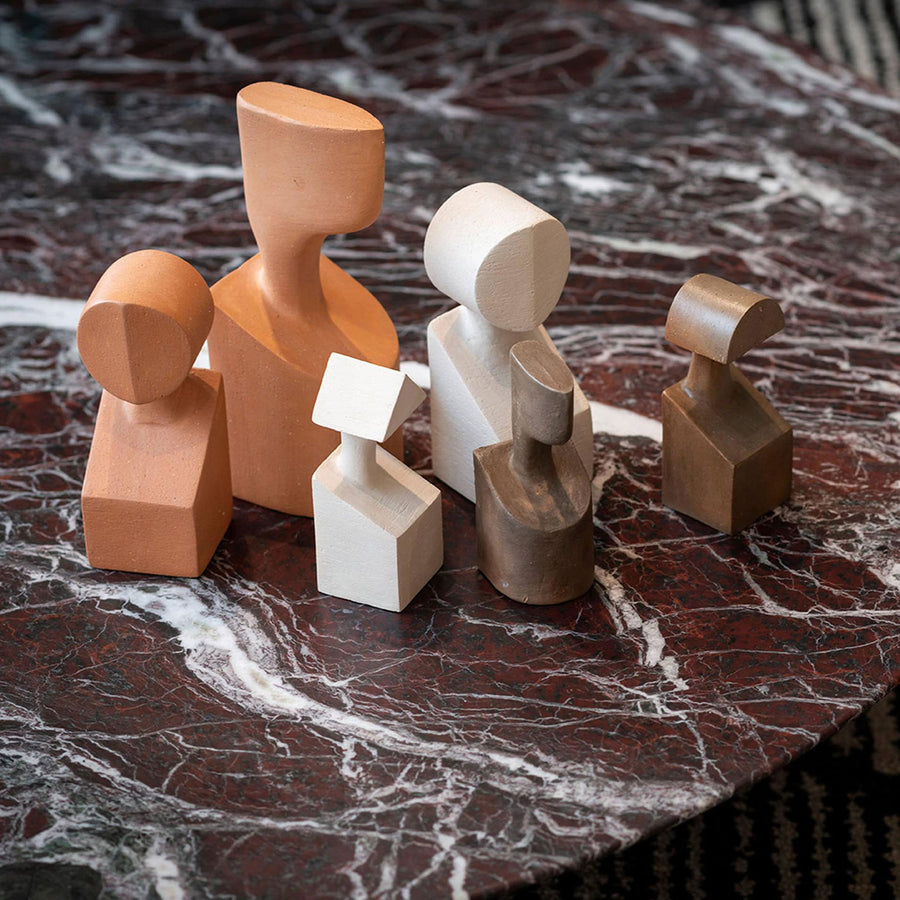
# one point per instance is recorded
(291, 283)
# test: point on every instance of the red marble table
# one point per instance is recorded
(241, 734)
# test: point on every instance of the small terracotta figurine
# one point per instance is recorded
(726, 451)
(313, 166)
(157, 491)
(505, 262)
(533, 493)
(378, 523)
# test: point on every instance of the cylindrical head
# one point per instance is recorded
(144, 324)
(497, 254)
(543, 393)
(312, 164)
(721, 320)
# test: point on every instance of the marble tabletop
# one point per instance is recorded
(242, 735)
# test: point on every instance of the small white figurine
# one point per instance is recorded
(378, 524)
(505, 261)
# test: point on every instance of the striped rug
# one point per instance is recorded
(826, 828)
(863, 35)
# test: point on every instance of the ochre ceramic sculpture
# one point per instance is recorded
(726, 451)
(313, 166)
(505, 261)
(378, 523)
(533, 493)
(157, 491)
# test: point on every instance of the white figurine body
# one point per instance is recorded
(378, 524)
(505, 261)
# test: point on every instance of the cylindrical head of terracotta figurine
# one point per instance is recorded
(144, 324)
(313, 164)
(543, 393)
(499, 255)
(720, 320)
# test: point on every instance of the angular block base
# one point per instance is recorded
(534, 546)
(157, 496)
(725, 468)
(379, 544)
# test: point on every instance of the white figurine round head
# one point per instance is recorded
(499, 255)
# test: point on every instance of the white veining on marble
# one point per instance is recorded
(218, 47)
(346, 80)
(418, 372)
(39, 311)
(57, 167)
(623, 422)
(127, 159)
(579, 178)
(765, 99)
(792, 68)
(166, 875)
(626, 618)
(662, 13)
(37, 112)
(870, 137)
(643, 245)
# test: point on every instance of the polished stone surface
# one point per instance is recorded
(241, 735)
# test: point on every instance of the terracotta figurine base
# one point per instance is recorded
(157, 491)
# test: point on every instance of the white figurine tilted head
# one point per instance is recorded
(363, 399)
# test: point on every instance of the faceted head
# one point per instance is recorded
(312, 164)
(144, 324)
(499, 255)
(365, 400)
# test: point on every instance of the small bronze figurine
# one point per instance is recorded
(726, 450)
(533, 494)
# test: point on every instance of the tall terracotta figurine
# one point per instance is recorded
(157, 491)
(313, 166)
(726, 450)
(533, 493)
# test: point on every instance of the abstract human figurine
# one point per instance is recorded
(313, 166)
(726, 451)
(533, 493)
(378, 523)
(157, 491)
(505, 262)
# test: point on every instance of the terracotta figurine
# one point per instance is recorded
(157, 491)
(313, 166)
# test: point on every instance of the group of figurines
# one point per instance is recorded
(303, 408)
